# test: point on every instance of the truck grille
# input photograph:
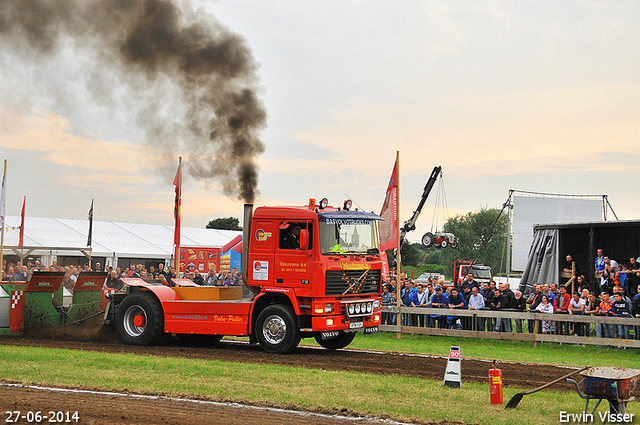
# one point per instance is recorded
(338, 281)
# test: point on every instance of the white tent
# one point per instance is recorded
(111, 240)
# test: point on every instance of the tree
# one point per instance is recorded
(475, 238)
(224, 223)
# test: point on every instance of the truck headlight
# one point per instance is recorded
(376, 304)
(357, 308)
(352, 309)
(369, 307)
(328, 308)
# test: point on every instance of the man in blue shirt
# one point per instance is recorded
(456, 300)
(409, 299)
(439, 300)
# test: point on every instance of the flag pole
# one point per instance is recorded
(22, 214)
(398, 264)
(2, 211)
(90, 235)
(177, 212)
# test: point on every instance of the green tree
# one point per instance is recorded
(224, 223)
(475, 238)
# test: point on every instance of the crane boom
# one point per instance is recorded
(410, 224)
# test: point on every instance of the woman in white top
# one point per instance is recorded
(548, 326)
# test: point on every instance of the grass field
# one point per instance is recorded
(401, 398)
(515, 351)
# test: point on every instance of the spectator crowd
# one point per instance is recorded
(18, 272)
(611, 300)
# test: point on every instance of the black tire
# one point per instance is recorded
(276, 329)
(140, 320)
(444, 243)
(341, 341)
(454, 245)
(200, 340)
(427, 239)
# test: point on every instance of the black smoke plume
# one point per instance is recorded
(150, 45)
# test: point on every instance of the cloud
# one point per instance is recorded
(47, 134)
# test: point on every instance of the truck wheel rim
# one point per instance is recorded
(135, 312)
(274, 329)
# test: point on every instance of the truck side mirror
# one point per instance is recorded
(304, 239)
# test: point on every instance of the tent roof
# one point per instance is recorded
(110, 238)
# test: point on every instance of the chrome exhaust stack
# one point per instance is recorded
(246, 237)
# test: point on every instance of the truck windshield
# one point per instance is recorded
(478, 272)
(348, 236)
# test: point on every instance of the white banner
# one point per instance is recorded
(528, 211)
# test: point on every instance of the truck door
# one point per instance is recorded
(293, 266)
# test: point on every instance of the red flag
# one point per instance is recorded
(389, 227)
(21, 241)
(177, 182)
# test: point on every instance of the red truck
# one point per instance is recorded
(481, 273)
(325, 282)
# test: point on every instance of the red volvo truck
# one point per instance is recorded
(311, 271)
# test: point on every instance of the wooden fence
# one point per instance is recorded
(534, 317)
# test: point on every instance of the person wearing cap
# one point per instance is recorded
(290, 236)
(439, 300)
(455, 301)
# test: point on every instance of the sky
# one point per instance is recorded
(539, 96)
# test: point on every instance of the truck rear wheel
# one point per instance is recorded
(276, 329)
(341, 341)
(140, 320)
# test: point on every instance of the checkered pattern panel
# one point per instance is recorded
(15, 298)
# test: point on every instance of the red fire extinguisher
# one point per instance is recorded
(495, 384)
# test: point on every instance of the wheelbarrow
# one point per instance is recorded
(614, 384)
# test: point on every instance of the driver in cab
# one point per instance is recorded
(290, 236)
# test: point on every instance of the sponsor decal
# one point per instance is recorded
(276, 290)
(44, 284)
(226, 318)
(355, 266)
(261, 235)
(292, 266)
(190, 317)
(348, 221)
(260, 270)
(89, 283)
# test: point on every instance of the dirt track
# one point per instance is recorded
(98, 409)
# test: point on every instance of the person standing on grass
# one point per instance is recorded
(621, 308)
(635, 312)
(577, 306)
(476, 302)
(520, 306)
(439, 300)
(546, 307)
(456, 301)
(605, 309)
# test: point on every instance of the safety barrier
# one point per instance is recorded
(535, 318)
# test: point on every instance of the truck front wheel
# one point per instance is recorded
(342, 340)
(276, 329)
(140, 320)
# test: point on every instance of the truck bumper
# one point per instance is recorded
(342, 323)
